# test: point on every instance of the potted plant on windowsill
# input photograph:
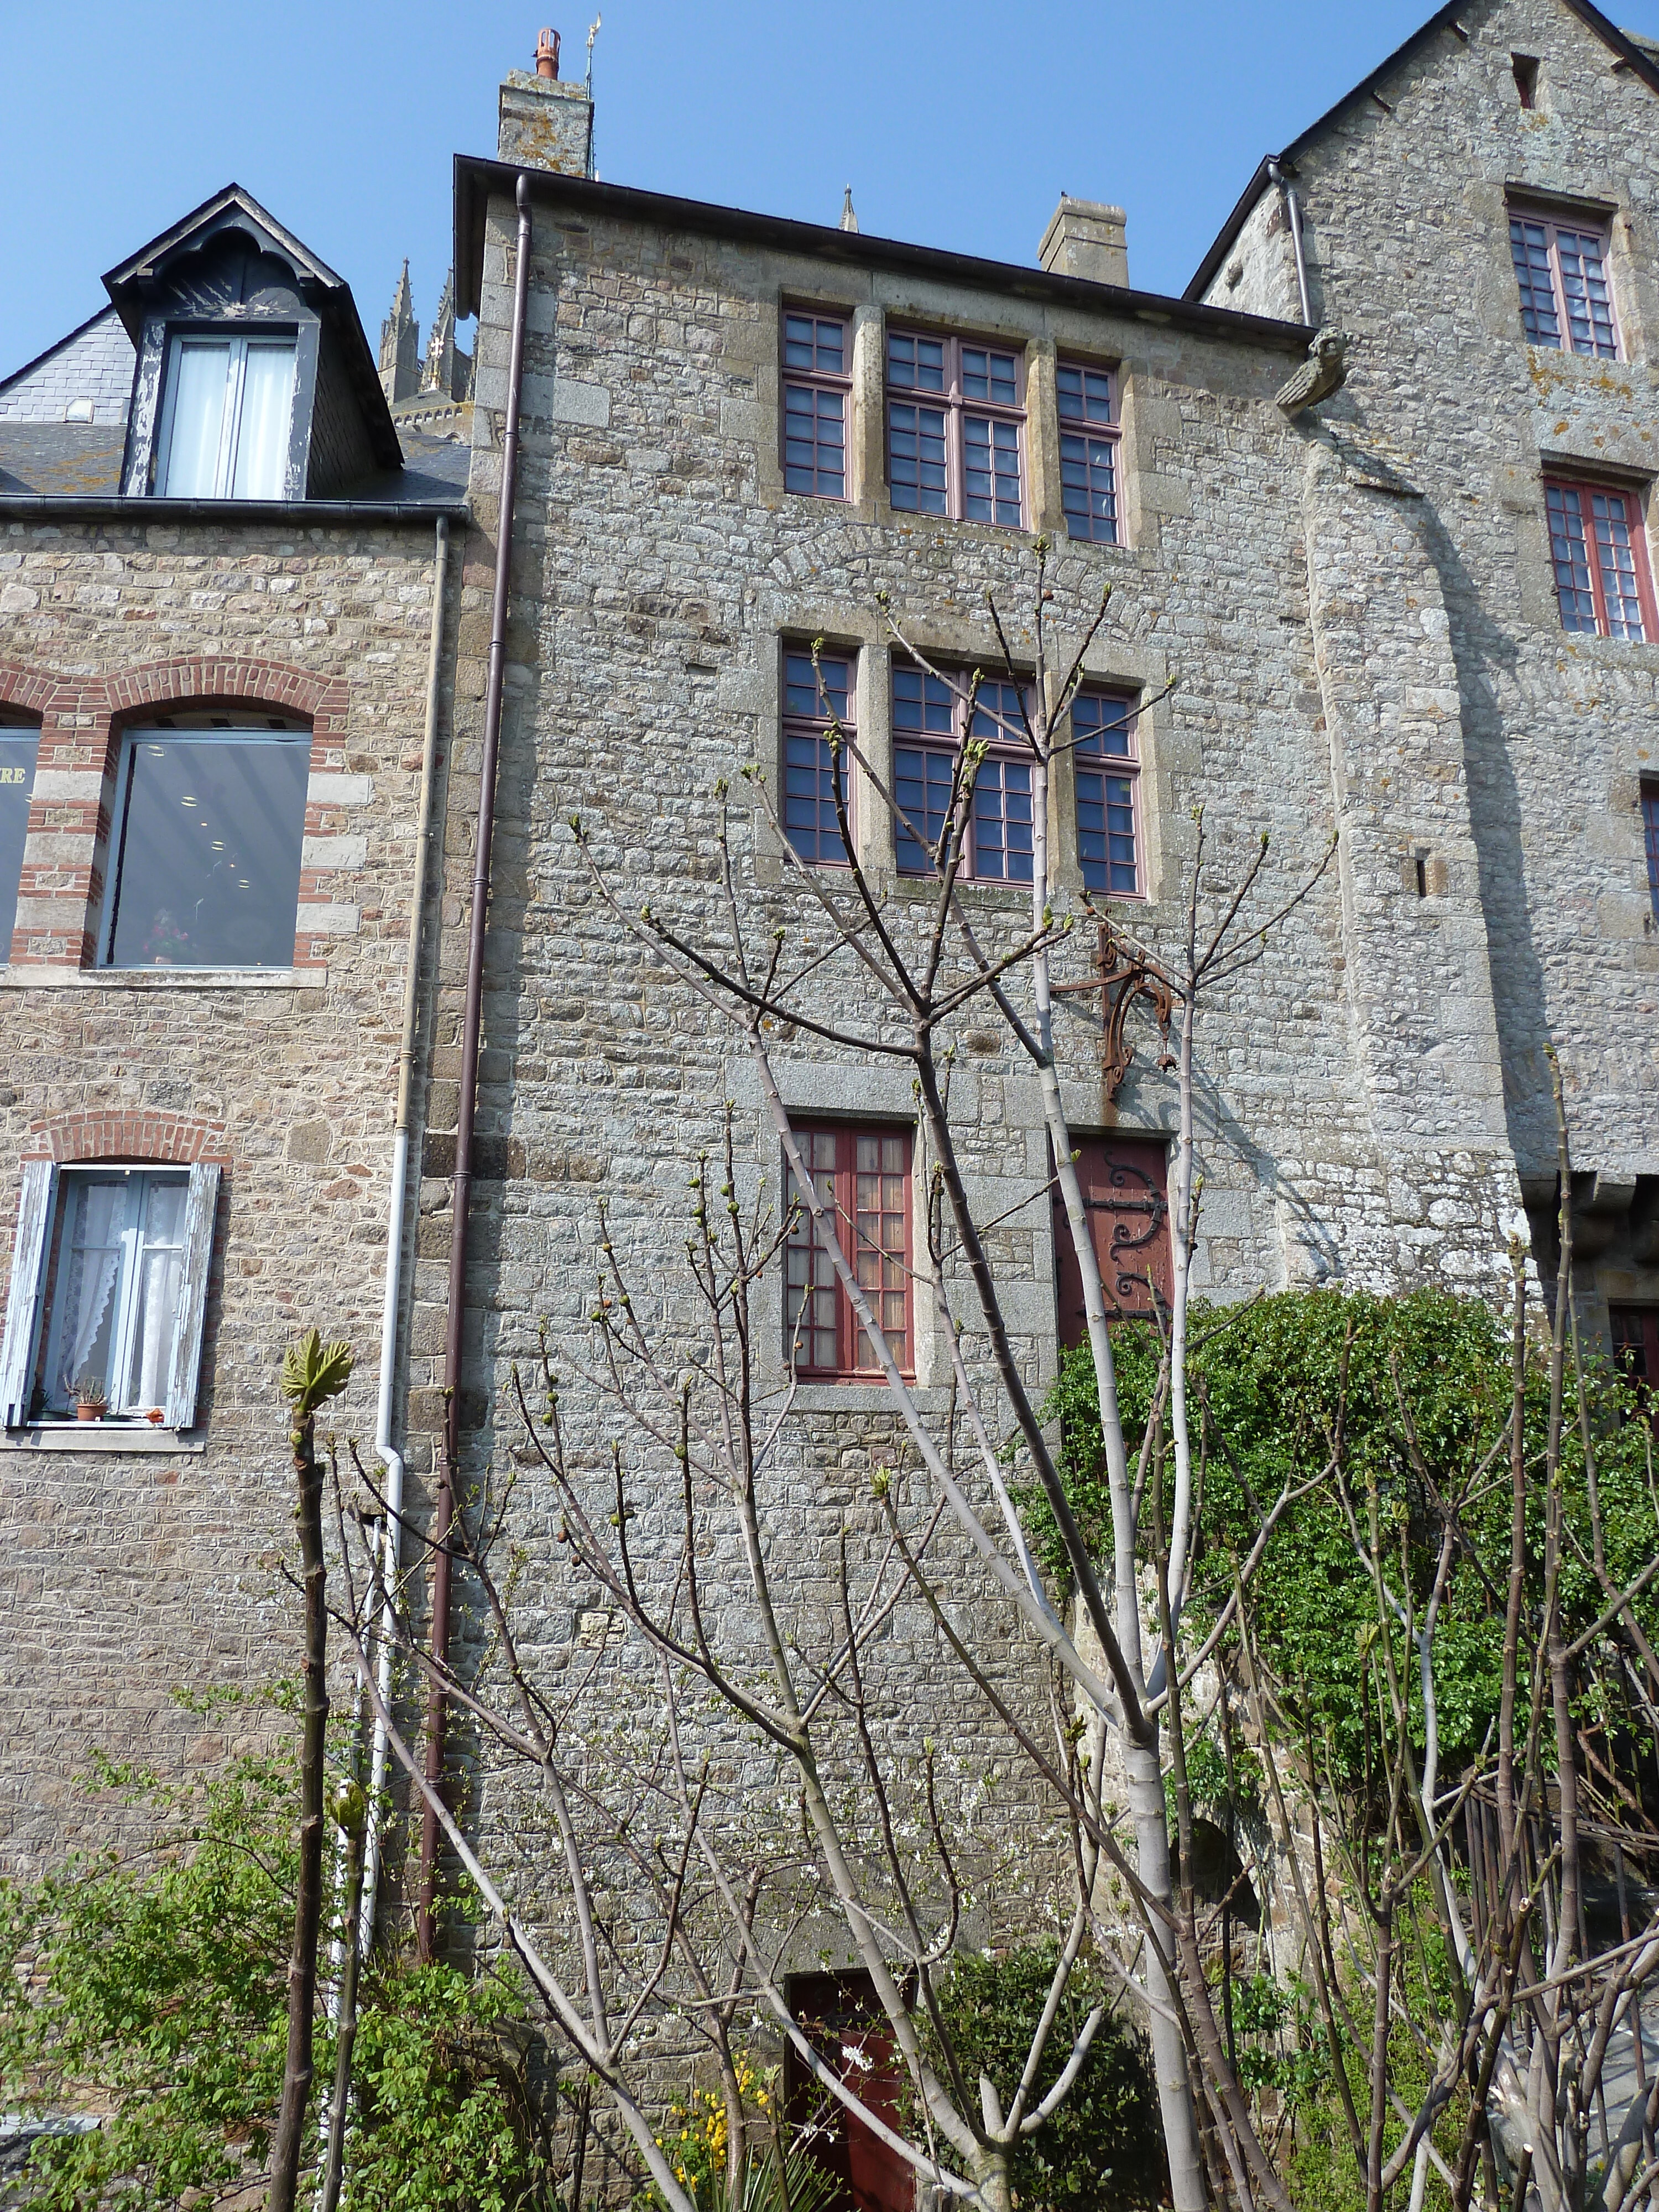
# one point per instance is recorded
(91, 1399)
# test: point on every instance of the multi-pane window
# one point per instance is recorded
(810, 697)
(226, 418)
(109, 1282)
(816, 398)
(1561, 269)
(1650, 839)
(205, 850)
(1600, 559)
(18, 748)
(928, 720)
(863, 1177)
(956, 425)
(1107, 769)
(1088, 434)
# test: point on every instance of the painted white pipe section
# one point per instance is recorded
(1293, 213)
(395, 1209)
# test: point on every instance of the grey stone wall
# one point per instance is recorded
(1449, 417)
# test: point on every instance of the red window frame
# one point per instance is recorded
(956, 412)
(1560, 264)
(808, 780)
(1599, 555)
(928, 719)
(1635, 1331)
(1106, 775)
(1085, 396)
(816, 349)
(1650, 797)
(863, 1170)
(1126, 1193)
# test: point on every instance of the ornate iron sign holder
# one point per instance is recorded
(1120, 977)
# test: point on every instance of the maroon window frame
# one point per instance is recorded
(955, 427)
(1106, 769)
(1089, 433)
(1561, 268)
(818, 401)
(863, 1170)
(1650, 840)
(929, 717)
(1599, 552)
(1635, 1331)
(808, 767)
(1126, 1194)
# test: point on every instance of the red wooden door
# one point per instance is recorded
(848, 2031)
(1126, 1193)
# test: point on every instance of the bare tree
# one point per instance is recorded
(723, 1899)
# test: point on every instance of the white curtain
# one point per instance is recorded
(161, 1281)
(93, 1262)
(262, 436)
(201, 378)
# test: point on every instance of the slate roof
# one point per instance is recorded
(60, 460)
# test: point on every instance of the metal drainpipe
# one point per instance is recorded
(395, 1225)
(471, 1022)
(1293, 211)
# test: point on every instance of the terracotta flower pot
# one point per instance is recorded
(90, 1412)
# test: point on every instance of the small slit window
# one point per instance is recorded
(1107, 771)
(206, 844)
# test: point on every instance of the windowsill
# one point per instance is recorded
(863, 1397)
(96, 1436)
(43, 975)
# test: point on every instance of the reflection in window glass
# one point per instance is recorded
(17, 753)
(207, 849)
(115, 1274)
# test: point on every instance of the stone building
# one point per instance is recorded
(216, 607)
(1413, 614)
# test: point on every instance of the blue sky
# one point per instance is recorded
(957, 124)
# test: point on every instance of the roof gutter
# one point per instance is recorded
(471, 1022)
(476, 180)
(26, 506)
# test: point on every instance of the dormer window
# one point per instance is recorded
(227, 418)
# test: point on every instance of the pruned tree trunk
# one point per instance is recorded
(308, 1904)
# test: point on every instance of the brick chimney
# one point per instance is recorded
(545, 124)
(1085, 239)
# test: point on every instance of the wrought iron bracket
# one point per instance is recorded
(1120, 976)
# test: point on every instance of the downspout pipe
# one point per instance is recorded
(395, 1231)
(1293, 214)
(471, 1024)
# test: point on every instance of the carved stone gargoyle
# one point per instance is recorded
(1322, 374)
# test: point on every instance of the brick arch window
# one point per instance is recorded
(207, 825)
(20, 748)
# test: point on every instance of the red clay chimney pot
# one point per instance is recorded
(547, 54)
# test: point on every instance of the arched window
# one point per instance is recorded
(207, 823)
(20, 742)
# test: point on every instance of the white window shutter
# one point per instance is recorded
(199, 1209)
(33, 1221)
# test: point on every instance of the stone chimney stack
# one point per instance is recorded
(1085, 239)
(545, 124)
